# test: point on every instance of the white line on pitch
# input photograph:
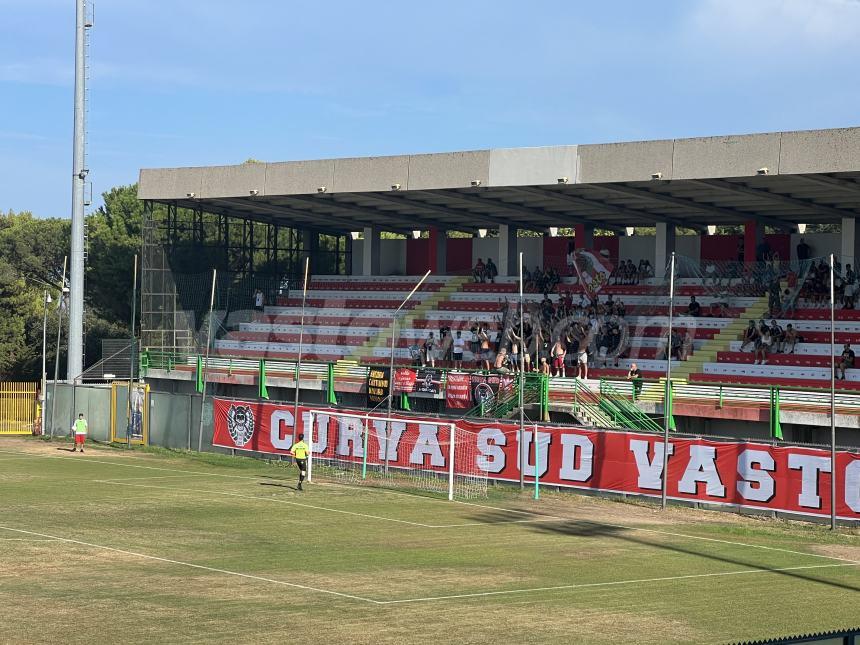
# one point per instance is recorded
(589, 585)
(28, 539)
(192, 565)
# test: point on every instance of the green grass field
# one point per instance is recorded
(117, 546)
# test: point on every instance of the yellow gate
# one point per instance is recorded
(17, 407)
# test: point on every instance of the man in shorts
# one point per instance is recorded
(459, 345)
(300, 452)
(80, 430)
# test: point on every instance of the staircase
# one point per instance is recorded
(383, 337)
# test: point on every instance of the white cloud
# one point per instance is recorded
(777, 26)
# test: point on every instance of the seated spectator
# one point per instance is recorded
(490, 270)
(844, 361)
(479, 273)
(750, 336)
(763, 345)
(694, 308)
(790, 340)
(635, 375)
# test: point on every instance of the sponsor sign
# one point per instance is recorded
(790, 479)
(378, 384)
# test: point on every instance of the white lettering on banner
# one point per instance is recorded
(427, 444)
(492, 457)
(573, 446)
(397, 430)
(319, 434)
(349, 437)
(852, 486)
(702, 467)
(650, 471)
(286, 418)
(756, 484)
(809, 467)
(543, 441)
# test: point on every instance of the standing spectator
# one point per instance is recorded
(635, 375)
(848, 282)
(762, 347)
(570, 258)
(480, 271)
(459, 344)
(694, 308)
(582, 360)
(515, 357)
(474, 341)
(803, 250)
(558, 358)
(259, 302)
(845, 361)
(491, 271)
(500, 364)
(430, 351)
(484, 340)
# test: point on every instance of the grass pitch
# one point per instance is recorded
(117, 546)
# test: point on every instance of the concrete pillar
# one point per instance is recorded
(310, 248)
(850, 250)
(753, 235)
(664, 248)
(437, 251)
(370, 251)
(507, 254)
(583, 236)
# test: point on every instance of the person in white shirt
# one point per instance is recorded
(459, 345)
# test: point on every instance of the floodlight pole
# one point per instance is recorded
(832, 399)
(391, 364)
(45, 302)
(521, 356)
(299, 359)
(129, 411)
(668, 396)
(57, 354)
(206, 362)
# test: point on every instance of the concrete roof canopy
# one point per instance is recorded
(780, 179)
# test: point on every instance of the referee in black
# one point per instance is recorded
(300, 452)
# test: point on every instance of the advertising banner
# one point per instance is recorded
(790, 479)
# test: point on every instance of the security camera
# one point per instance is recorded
(190, 195)
(761, 171)
(254, 192)
(562, 180)
(321, 189)
(395, 186)
(656, 175)
(475, 182)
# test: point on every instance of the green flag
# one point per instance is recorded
(775, 427)
(669, 406)
(262, 390)
(404, 401)
(199, 374)
(332, 397)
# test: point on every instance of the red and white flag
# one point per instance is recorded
(593, 271)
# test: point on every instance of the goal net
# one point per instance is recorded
(396, 452)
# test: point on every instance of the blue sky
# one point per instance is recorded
(200, 82)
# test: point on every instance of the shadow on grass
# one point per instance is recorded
(276, 484)
(589, 529)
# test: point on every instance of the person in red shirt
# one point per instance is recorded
(480, 270)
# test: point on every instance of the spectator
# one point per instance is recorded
(500, 364)
(750, 337)
(429, 351)
(635, 375)
(490, 270)
(259, 300)
(582, 361)
(479, 273)
(558, 353)
(845, 361)
(484, 340)
(777, 336)
(458, 346)
(544, 366)
(474, 341)
(570, 258)
(848, 282)
(790, 340)
(694, 308)
(762, 347)
(803, 250)
(515, 357)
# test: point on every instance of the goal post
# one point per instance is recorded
(396, 451)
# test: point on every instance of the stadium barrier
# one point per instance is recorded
(19, 408)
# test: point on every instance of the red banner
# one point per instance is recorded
(790, 479)
(404, 379)
(458, 391)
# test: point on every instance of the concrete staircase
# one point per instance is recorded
(383, 338)
(721, 342)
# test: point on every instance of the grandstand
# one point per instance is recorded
(257, 222)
